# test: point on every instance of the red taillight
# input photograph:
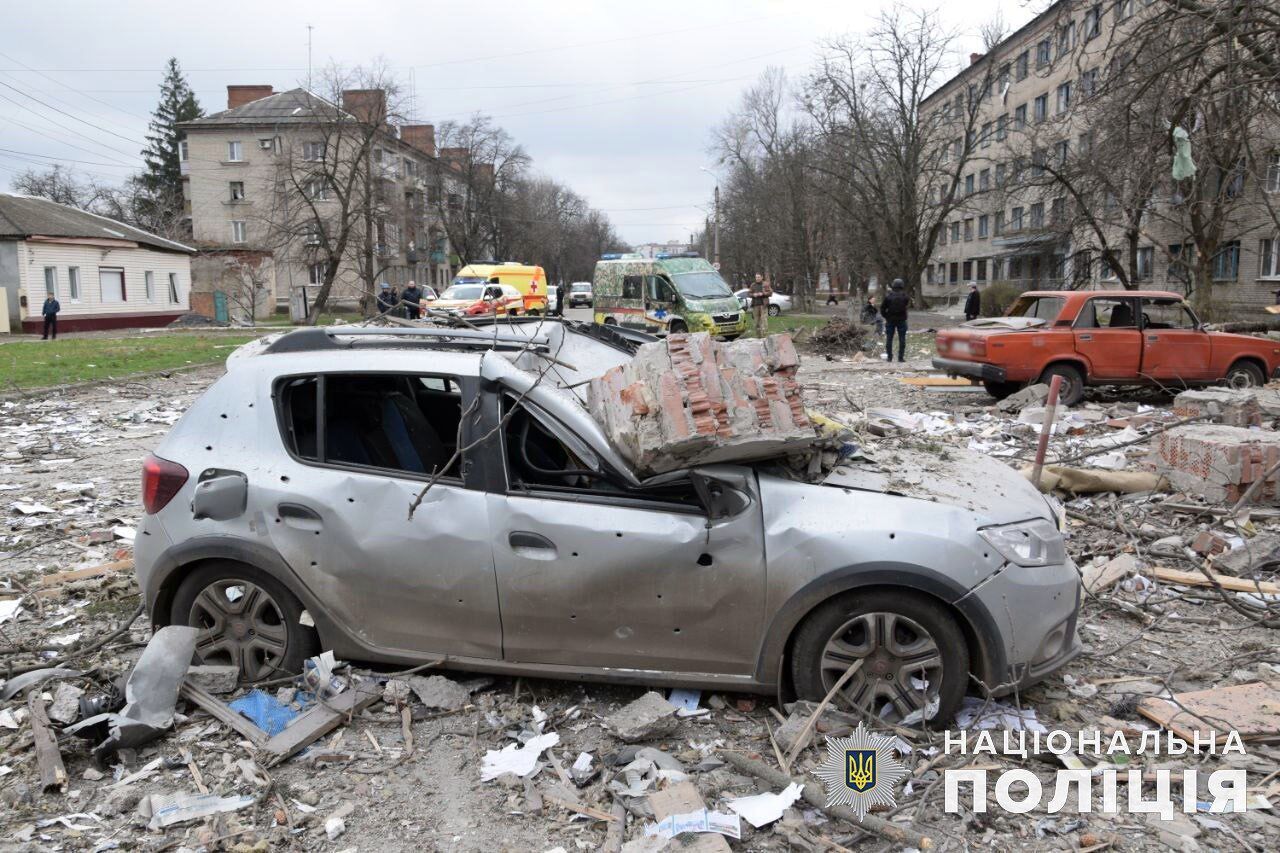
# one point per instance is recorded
(161, 480)
(978, 345)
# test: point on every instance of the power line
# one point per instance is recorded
(72, 117)
(71, 88)
(48, 135)
(29, 154)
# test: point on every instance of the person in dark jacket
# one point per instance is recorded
(387, 299)
(894, 311)
(50, 312)
(412, 299)
(560, 299)
(972, 303)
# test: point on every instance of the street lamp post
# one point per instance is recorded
(715, 245)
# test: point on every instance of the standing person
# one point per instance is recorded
(387, 299)
(831, 297)
(50, 311)
(560, 291)
(412, 299)
(894, 311)
(871, 314)
(760, 293)
(972, 303)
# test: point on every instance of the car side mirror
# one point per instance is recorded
(718, 498)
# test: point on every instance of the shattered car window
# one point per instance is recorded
(1041, 307)
(1167, 314)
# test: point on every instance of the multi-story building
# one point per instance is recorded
(264, 176)
(652, 250)
(1030, 107)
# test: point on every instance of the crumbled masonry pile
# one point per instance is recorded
(1219, 463)
(690, 400)
(1220, 405)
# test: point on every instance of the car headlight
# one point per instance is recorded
(1037, 542)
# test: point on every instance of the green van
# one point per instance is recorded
(667, 293)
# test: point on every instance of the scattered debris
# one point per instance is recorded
(515, 758)
(648, 717)
(1032, 395)
(1251, 710)
(436, 691)
(1219, 463)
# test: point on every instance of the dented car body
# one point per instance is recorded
(282, 499)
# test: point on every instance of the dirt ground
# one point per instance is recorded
(76, 458)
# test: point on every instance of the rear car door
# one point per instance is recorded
(1107, 336)
(1174, 347)
(592, 574)
(361, 447)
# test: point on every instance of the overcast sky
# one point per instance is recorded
(615, 99)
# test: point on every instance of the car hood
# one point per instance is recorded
(953, 476)
(714, 306)
(452, 304)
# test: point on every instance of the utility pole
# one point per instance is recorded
(706, 246)
(309, 29)
(716, 249)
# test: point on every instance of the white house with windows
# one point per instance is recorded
(105, 275)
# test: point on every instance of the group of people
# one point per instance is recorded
(890, 317)
(406, 303)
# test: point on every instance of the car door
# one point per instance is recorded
(594, 575)
(338, 512)
(1174, 347)
(1107, 336)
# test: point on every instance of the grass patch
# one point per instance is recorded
(43, 364)
(789, 323)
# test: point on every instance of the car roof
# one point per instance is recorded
(1113, 294)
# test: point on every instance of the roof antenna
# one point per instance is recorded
(309, 29)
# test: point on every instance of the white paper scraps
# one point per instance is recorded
(763, 809)
(516, 759)
(701, 820)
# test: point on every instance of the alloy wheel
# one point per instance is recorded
(240, 625)
(900, 669)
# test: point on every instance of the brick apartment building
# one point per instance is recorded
(238, 166)
(1034, 90)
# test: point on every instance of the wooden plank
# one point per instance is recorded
(319, 721)
(53, 775)
(47, 581)
(222, 712)
(936, 381)
(682, 798)
(1225, 581)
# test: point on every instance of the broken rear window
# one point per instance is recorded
(398, 422)
(1041, 307)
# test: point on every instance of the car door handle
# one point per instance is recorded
(533, 546)
(1152, 338)
(1086, 337)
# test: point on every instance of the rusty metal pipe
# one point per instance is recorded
(1050, 413)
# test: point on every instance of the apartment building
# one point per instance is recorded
(252, 207)
(1016, 222)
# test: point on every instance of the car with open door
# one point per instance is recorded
(1101, 337)
(406, 495)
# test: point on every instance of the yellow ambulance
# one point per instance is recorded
(529, 280)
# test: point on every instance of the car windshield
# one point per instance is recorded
(582, 288)
(470, 279)
(1042, 307)
(701, 285)
(463, 291)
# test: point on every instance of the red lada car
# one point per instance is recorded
(1101, 337)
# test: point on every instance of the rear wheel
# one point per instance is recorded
(1245, 374)
(534, 312)
(246, 618)
(610, 321)
(912, 660)
(1071, 391)
(774, 310)
(1000, 390)
(677, 327)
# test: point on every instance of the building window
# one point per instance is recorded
(968, 231)
(315, 273)
(1226, 263)
(1082, 267)
(1005, 72)
(317, 189)
(1231, 182)
(1058, 210)
(1021, 66)
(968, 184)
(1042, 108)
(981, 264)
(1015, 219)
(984, 226)
(173, 288)
(111, 284)
(986, 134)
(1061, 152)
(942, 235)
(1037, 162)
(984, 180)
(955, 232)
(998, 227)
(1002, 127)
(237, 190)
(1037, 215)
(1110, 266)
(1084, 144)
(410, 168)
(1044, 53)
(313, 152)
(1064, 97)
(1179, 254)
(1000, 172)
(73, 283)
(1020, 116)
(1273, 172)
(1124, 10)
(1066, 38)
(1146, 259)
(51, 281)
(183, 153)
(968, 270)
(237, 231)
(1093, 22)
(955, 272)
(1089, 83)
(149, 285)
(234, 152)
(311, 234)
(1269, 257)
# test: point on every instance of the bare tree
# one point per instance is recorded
(249, 276)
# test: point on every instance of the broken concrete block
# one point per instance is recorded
(1268, 401)
(791, 731)
(1255, 553)
(1221, 405)
(66, 704)
(214, 679)
(439, 692)
(395, 692)
(1032, 395)
(1207, 544)
(1216, 462)
(649, 716)
(1097, 578)
(691, 400)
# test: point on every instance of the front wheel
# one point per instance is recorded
(534, 312)
(1245, 374)
(1000, 390)
(774, 310)
(911, 658)
(247, 619)
(1071, 391)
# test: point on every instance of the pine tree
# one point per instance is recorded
(161, 182)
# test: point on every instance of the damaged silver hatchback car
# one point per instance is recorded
(278, 522)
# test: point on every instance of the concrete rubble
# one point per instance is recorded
(1219, 463)
(691, 400)
(1220, 405)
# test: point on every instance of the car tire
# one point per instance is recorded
(1000, 390)
(852, 627)
(260, 630)
(1071, 391)
(774, 310)
(677, 327)
(1245, 374)
(534, 312)
(610, 321)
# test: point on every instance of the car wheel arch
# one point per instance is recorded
(986, 652)
(1254, 360)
